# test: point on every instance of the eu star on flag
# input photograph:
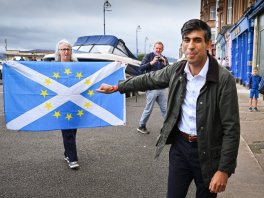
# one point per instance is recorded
(42, 96)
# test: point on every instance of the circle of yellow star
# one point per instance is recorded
(87, 104)
(56, 75)
(44, 93)
(67, 71)
(47, 81)
(79, 75)
(80, 113)
(91, 93)
(48, 105)
(87, 82)
(57, 114)
(68, 116)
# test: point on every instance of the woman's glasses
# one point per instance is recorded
(66, 49)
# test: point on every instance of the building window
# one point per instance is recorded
(212, 13)
(229, 11)
(221, 21)
(213, 35)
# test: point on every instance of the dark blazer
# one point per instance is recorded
(145, 66)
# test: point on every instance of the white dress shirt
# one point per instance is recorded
(187, 122)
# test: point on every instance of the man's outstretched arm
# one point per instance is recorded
(107, 89)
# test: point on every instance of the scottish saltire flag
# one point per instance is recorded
(40, 96)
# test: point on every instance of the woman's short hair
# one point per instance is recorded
(57, 54)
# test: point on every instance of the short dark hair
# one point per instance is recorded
(196, 24)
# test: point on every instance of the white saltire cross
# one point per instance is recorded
(64, 94)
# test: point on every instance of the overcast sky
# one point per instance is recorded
(40, 24)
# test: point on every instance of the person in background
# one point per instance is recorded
(153, 61)
(202, 121)
(219, 60)
(253, 85)
(64, 54)
(225, 64)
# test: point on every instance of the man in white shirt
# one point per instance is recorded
(202, 121)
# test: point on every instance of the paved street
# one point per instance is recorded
(248, 181)
(117, 161)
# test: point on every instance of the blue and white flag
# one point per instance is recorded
(40, 96)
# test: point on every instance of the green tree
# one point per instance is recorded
(141, 56)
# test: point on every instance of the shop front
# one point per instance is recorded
(242, 49)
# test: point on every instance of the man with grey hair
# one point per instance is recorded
(153, 61)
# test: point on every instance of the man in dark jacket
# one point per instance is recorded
(202, 121)
(153, 61)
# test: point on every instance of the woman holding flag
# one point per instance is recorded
(64, 54)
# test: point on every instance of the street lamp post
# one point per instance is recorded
(146, 38)
(5, 44)
(107, 7)
(150, 46)
(137, 30)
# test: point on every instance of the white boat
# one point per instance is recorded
(103, 48)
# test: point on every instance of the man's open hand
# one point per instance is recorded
(105, 88)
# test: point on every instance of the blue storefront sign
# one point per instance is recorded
(242, 49)
(242, 34)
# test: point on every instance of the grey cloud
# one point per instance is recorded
(34, 24)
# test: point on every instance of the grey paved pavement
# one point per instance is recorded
(248, 181)
(117, 161)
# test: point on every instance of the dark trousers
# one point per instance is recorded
(69, 142)
(184, 166)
